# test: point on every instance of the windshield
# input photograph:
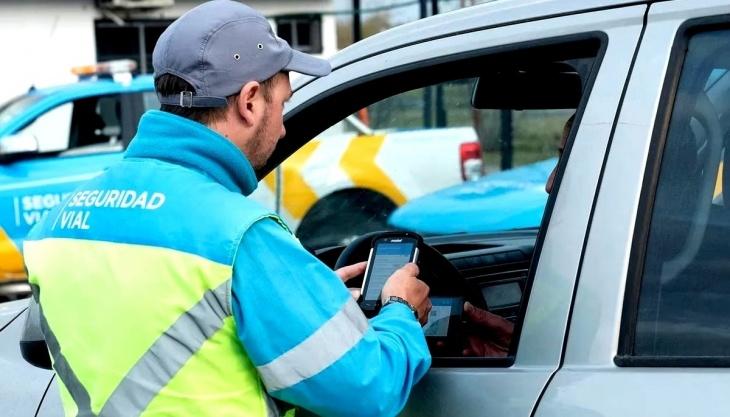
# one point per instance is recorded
(17, 106)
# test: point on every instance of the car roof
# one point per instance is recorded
(98, 86)
(57, 95)
(483, 16)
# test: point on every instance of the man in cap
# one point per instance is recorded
(165, 291)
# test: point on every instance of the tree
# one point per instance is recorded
(372, 24)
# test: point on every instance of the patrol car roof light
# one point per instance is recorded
(113, 68)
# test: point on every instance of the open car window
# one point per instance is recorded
(452, 150)
(469, 150)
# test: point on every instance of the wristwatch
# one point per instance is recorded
(396, 299)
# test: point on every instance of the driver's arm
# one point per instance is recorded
(309, 340)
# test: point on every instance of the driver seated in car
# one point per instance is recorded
(491, 334)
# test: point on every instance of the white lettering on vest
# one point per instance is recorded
(75, 220)
(141, 201)
(128, 199)
(112, 199)
(156, 201)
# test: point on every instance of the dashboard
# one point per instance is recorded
(492, 273)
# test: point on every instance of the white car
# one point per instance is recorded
(621, 298)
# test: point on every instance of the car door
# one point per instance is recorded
(507, 386)
(649, 329)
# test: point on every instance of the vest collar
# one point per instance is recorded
(181, 141)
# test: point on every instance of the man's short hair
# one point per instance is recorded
(170, 85)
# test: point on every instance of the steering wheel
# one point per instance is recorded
(438, 273)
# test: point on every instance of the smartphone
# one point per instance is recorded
(387, 254)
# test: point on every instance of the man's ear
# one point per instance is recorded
(249, 102)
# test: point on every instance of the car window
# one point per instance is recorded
(684, 307)
(426, 160)
(92, 124)
(52, 129)
(95, 120)
(17, 106)
(150, 101)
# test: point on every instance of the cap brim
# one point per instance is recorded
(308, 64)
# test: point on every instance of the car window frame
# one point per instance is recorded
(298, 117)
(28, 100)
(625, 356)
(132, 109)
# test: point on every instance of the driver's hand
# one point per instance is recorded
(349, 272)
(491, 334)
(404, 283)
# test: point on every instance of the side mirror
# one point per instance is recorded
(32, 344)
(14, 146)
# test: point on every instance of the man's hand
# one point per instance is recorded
(492, 335)
(346, 273)
(405, 284)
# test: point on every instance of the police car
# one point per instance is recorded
(53, 139)
(620, 299)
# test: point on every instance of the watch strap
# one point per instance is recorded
(396, 299)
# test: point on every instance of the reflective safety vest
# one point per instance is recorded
(133, 277)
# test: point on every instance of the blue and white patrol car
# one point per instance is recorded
(52, 139)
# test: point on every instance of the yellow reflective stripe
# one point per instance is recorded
(718, 185)
(118, 328)
(358, 162)
(11, 260)
(297, 195)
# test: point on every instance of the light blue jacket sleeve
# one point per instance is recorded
(308, 339)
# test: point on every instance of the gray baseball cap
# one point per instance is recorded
(221, 45)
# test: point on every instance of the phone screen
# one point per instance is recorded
(387, 257)
(444, 312)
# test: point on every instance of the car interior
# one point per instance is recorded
(490, 270)
(95, 125)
